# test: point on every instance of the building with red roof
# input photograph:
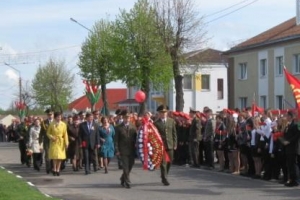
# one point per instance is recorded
(114, 96)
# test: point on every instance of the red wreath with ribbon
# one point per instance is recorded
(151, 150)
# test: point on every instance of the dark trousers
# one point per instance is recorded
(46, 157)
(89, 158)
(280, 163)
(23, 155)
(226, 151)
(127, 164)
(251, 170)
(201, 151)
(271, 168)
(194, 145)
(209, 153)
(165, 166)
(291, 160)
(184, 154)
(37, 160)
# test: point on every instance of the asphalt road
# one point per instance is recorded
(186, 183)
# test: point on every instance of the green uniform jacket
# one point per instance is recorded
(195, 130)
(125, 139)
(167, 132)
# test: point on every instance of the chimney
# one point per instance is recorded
(297, 12)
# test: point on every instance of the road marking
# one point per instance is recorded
(10, 172)
(19, 176)
(29, 183)
(2, 167)
(47, 195)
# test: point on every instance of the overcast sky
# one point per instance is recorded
(31, 31)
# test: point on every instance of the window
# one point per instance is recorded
(205, 81)
(279, 66)
(279, 102)
(243, 102)
(263, 102)
(243, 71)
(220, 88)
(263, 68)
(187, 82)
(297, 63)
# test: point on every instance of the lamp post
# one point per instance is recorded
(73, 20)
(20, 81)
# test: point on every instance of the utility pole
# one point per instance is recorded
(20, 81)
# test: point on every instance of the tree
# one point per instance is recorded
(27, 96)
(52, 85)
(180, 27)
(96, 59)
(139, 52)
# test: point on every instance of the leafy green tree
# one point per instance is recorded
(96, 59)
(139, 51)
(180, 27)
(52, 85)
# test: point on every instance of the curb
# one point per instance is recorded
(29, 183)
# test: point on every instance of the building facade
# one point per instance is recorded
(256, 66)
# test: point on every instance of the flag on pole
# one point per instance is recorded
(295, 85)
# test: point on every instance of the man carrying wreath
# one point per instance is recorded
(167, 130)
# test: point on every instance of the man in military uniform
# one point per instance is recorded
(125, 139)
(23, 138)
(167, 129)
(44, 139)
(195, 137)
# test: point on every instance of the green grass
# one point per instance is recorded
(13, 188)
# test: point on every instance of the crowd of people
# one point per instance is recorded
(261, 145)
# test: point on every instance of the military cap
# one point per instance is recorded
(124, 113)
(49, 111)
(118, 111)
(193, 110)
(162, 108)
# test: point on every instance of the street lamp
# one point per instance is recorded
(20, 80)
(73, 20)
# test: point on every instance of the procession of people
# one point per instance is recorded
(258, 145)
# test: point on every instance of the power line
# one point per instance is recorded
(42, 51)
(231, 12)
(227, 8)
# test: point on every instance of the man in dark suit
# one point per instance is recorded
(43, 139)
(89, 141)
(290, 141)
(195, 137)
(125, 140)
(167, 130)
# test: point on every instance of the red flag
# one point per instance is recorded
(295, 85)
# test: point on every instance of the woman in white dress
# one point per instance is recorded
(35, 145)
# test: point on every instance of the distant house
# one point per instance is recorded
(113, 96)
(204, 83)
(256, 67)
(7, 119)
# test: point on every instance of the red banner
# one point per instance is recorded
(295, 85)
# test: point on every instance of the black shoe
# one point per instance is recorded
(57, 174)
(87, 172)
(127, 185)
(291, 184)
(54, 173)
(165, 182)
(47, 171)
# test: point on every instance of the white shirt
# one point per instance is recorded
(253, 133)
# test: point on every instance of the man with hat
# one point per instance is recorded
(44, 139)
(81, 115)
(125, 140)
(195, 137)
(167, 130)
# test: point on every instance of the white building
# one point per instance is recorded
(204, 83)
